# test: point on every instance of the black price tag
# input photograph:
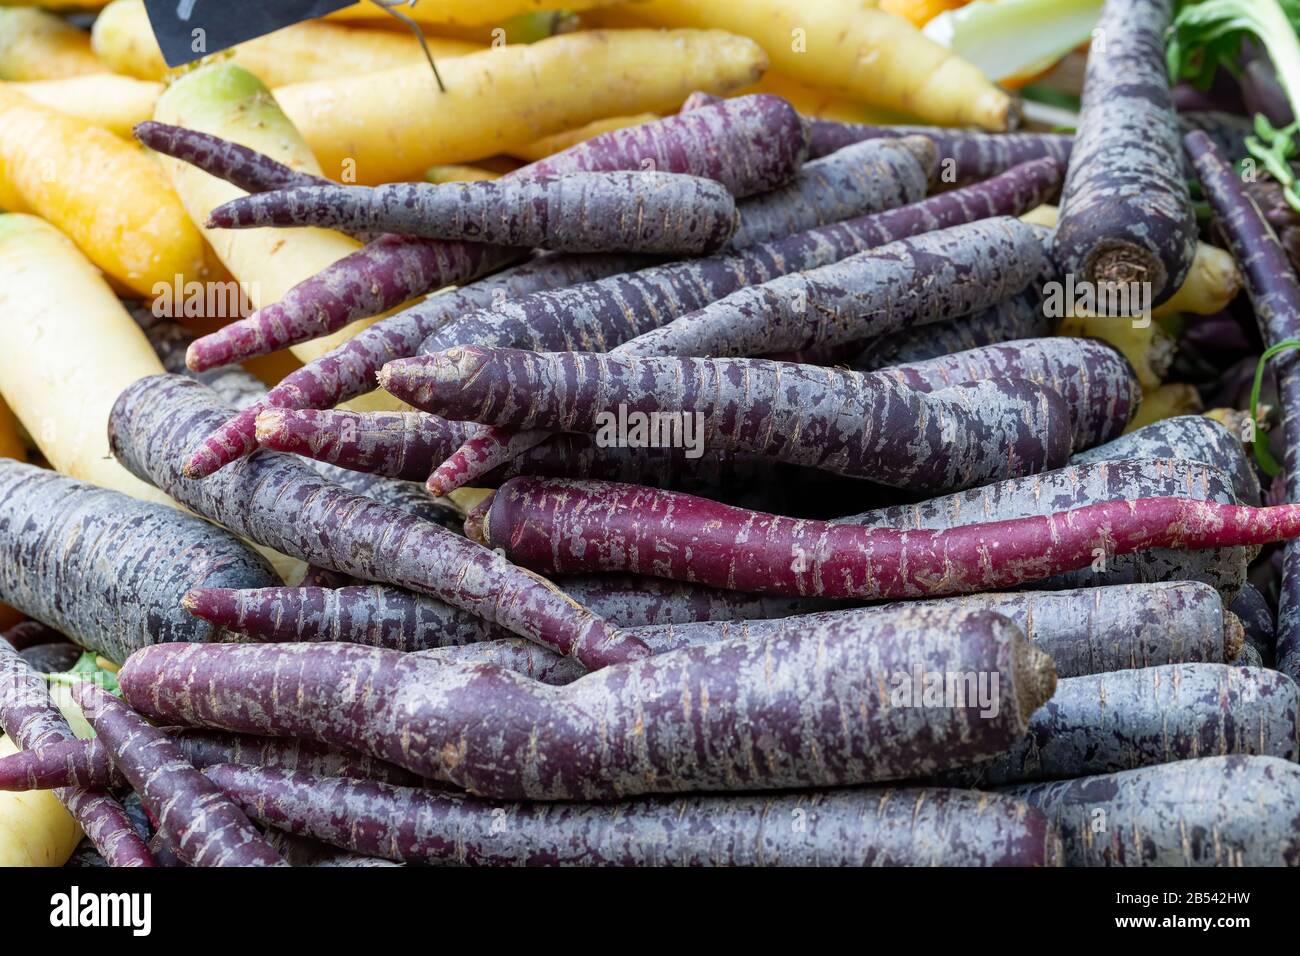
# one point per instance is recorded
(190, 29)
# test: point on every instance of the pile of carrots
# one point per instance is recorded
(672, 418)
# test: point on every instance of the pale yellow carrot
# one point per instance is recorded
(114, 102)
(35, 45)
(557, 142)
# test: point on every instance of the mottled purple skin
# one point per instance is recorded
(108, 570)
(1020, 317)
(927, 278)
(1275, 296)
(1126, 214)
(1215, 811)
(349, 370)
(831, 419)
(857, 181)
(89, 764)
(1256, 616)
(1105, 723)
(654, 297)
(408, 445)
(203, 826)
(1076, 485)
(373, 615)
(246, 168)
(304, 851)
(965, 156)
(401, 620)
(27, 634)
(31, 720)
(750, 144)
(560, 526)
(1096, 381)
(806, 710)
(1191, 437)
(867, 827)
(1085, 631)
(280, 502)
(85, 855)
(652, 212)
(1227, 131)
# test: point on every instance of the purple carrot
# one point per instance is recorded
(51, 658)
(238, 165)
(203, 826)
(1126, 215)
(558, 526)
(876, 827)
(927, 278)
(88, 763)
(1190, 437)
(1148, 716)
(658, 295)
(349, 370)
(31, 720)
(749, 144)
(106, 569)
(965, 156)
(408, 445)
(281, 502)
(1275, 296)
(654, 213)
(1214, 811)
(839, 421)
(1096, 381)
(802, 711)
(304, 851)
(532, 321)
(315, 577)
(1020, 317)
(1085, 484)
(1259, 629)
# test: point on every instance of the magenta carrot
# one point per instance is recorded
(281, 502)
(661, 213)
(927, 278)
(749, 144)
(1275, 296)
(106, 569)
(581, 527)
(1097, 383)
(31, 720)
(839, 421)
(804, 710)
(88, 763)
(203, 826)
(1085, 484)
(875, 827)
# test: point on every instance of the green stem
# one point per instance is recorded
(1267, 463)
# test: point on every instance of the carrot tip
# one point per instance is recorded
(268, 425)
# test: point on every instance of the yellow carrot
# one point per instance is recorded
(1148, 348)
(465, 12)
(35, 45)
(1213, 281)
(393, 125)
(824, 103)
(70, 348)
(310, 50)
(557, 142)
(114, 102)
(35, 829)
(459, 174)
(853, 48)
(11, 442)
(105, 193)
